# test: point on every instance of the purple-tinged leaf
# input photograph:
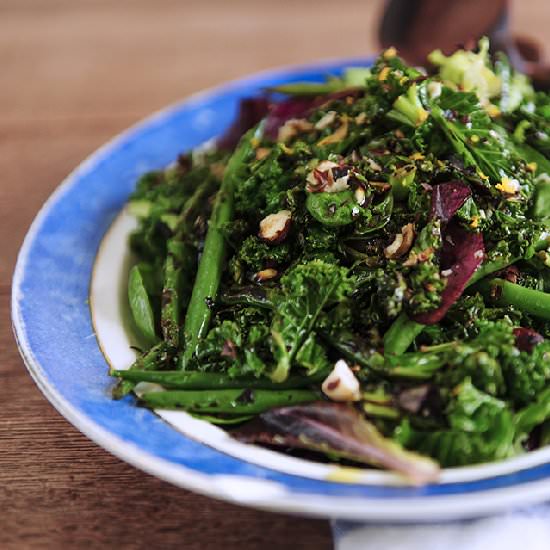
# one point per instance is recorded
(447, 198)
(251, 111)
(462, 253)
(527, 339)
(412, 399)
(337, 429)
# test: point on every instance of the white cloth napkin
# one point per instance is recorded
(527, 529)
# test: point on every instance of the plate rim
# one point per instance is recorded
(218, 486)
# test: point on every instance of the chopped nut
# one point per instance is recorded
(322, 178)
(265, 275)
(274, 228)
(326, 120)
(341, 384)
(262, 152)
(292, 128)
(340, 184)
(340, 133)
(360, 196)
(360, 118)
(402, 242)
(373, 165)
(392, 250)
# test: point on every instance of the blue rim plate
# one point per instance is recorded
(55, 334)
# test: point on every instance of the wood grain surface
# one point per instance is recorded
(72, 74)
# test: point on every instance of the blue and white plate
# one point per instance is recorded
(73, 263)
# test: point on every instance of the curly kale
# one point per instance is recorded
(255, 254)
(481, 429)
(527, 374)
(305, 291)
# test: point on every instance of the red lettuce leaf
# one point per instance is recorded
(462, 253)
(251, 111)
(295, 107)
(337, 429)
(447, 198)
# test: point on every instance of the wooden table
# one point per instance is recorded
(72, 75)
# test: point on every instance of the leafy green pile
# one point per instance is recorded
(392, 218)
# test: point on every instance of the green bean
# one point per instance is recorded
(401, 335)
(140, 306)
(223, 420)
(528, 300)
(309, 88)
(196, 380)
(381, 411)
(149, 361)
(180, 263)
(415, 365)
(170, 302)
(210, 267)
(234, 401)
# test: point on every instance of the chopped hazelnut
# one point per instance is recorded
(341, 384)
(274, 228)
(321, 178)
(326, 120)
(339, 134)
(292, 128)
(360, 196)
(402, 242)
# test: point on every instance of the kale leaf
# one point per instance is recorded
(305, 291)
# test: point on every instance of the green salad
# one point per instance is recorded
(357, 269)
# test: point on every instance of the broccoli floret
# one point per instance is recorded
(408, 109)
(470, 71)
(527, 374)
